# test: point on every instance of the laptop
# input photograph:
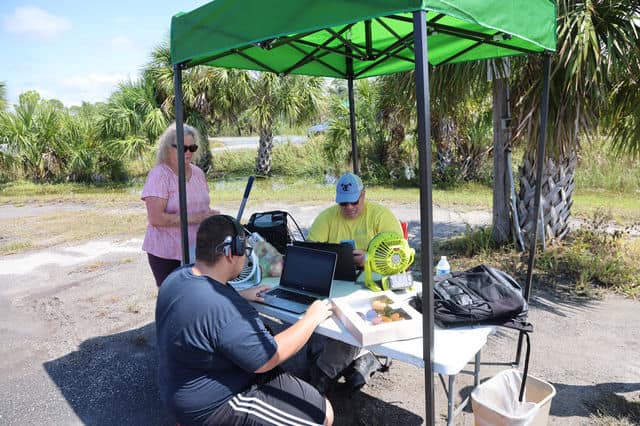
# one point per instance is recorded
(307, 275)
(345, 268)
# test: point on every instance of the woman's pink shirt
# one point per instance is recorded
(162, 182)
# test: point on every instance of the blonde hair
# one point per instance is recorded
(170, 137)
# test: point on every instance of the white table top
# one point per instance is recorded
(452, 348)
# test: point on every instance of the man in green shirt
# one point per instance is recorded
(354, 219)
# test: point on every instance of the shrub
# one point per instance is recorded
(594, 257)
(290, 160)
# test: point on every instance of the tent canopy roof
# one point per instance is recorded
(356, 38)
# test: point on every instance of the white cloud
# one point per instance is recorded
(31, 20)
(92, 80)
(93, 87)
(120, 41)
(75, 89)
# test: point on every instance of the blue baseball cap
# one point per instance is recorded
(348, 188)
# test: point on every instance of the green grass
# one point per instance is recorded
(586, 263)
(215, 143)
(600, 169)
(288, 160)
(24, 192)
(624, 208)
(615, 410)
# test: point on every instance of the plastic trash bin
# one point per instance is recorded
(495, 402)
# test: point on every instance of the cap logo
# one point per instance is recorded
(346, 186)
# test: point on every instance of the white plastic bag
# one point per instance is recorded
(270, 258)
(495, 402)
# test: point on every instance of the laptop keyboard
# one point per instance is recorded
(294, 297)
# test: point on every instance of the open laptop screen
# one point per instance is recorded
(345, 268)
(309, 270)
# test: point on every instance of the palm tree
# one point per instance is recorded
(459, 120)
(32, 135)
(369, 132)
(210, 95)
(3, 96)
(44, 141)
(598, 47)
(396, 119)
(274, 98)
(132, 118)
(622, 118)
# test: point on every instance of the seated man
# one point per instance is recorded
(218, 364)
(355, 219)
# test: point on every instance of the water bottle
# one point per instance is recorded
(443, 266)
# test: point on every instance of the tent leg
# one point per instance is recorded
(426, 205)
(536, 208)
(352, 116)
(182, 188)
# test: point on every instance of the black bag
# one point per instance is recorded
(480, 295)
(277, 227)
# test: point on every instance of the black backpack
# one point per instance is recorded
(480, 295)
(277, 227)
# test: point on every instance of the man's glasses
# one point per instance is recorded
(355, 203)
(191, 148)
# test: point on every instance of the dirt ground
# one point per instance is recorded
(78, 340)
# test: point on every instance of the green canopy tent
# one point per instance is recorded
(354, 39)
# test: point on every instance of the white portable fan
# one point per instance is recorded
(250, 275)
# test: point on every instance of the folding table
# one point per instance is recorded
(452, 348)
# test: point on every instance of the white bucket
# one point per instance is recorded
(495, 402)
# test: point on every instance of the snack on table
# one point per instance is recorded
(378, 305)
(382, 312)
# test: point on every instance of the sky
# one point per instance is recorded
(74, 50)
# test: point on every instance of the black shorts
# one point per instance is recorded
(279, 398)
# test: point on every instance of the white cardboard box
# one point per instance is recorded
(364, 317)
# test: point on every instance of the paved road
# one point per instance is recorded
(246, 142)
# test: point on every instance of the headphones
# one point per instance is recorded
(235, 245)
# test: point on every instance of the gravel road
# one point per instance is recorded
(78, 341)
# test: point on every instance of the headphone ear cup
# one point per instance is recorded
(238, 245)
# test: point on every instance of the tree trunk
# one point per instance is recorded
(501, 191)
(265, 146)
(392, 152)
(441, 135)
(556, 195)
(205, 161)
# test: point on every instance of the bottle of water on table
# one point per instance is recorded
(443, 266)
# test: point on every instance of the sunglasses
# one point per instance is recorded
(191, 148)
(355, 203)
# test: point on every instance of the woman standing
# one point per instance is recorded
(162, 241)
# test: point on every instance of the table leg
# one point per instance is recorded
(452, 392)
(476, 373)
